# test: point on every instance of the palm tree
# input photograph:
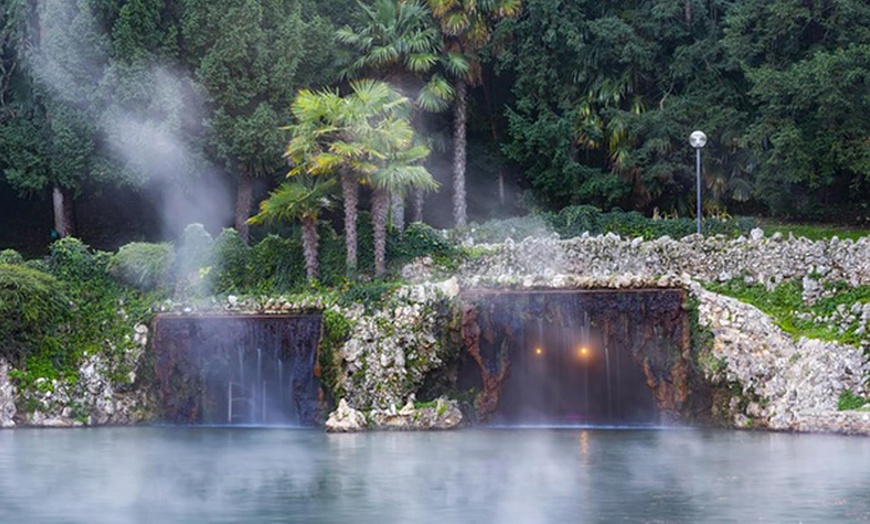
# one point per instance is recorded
(352, 137)
(466, 27)
(396, 40)
(301, 200)
(399, 171)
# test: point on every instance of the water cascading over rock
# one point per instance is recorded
(238, 370)
(577, 356)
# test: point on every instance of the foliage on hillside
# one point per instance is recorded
(831, 317)
(574, 221)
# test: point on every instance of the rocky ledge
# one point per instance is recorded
(844, 422)
(436, 415)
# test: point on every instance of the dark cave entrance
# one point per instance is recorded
(245, 369)
(576, 357)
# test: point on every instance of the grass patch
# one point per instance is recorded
(785, 305)
(849, 401)
(814, 232)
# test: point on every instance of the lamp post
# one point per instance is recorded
(698, 140)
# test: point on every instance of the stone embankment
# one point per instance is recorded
(784, 384)
(440, 414)
(767, 260)
(776, 382)
(7, 397)
(97, 396)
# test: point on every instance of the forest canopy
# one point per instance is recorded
(567, 102)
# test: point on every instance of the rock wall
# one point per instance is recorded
(768, 260)
(7, 396)
(391, 350)
(776, 381)
(782, 381)
(779, 383)
(99, 395)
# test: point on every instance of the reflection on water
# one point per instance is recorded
(492, 475)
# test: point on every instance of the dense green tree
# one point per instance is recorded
(48, 128)
(248, 56)
(606, 94)
(809, 67)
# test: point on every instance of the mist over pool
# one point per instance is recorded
(207, 474)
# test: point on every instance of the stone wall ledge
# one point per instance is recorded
(838, 422)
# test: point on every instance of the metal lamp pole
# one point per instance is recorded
(698, 140)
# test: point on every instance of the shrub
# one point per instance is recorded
(230, 263)
(419, 240)
(194, 256)
(70, 259)
(10, 256)
(32, 306)
(143, 265)
(573, 221)
(516, 228)
(276, 265)
(195, 249)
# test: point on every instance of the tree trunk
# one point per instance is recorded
(687, 11)
(62, 206)
(459, 118)
(244, 201)
(418, 205)
(380, 208)
(397, 210)
(501, 187)
(310, 241)
(350, 194)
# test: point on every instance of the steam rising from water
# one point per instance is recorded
(148, 117)
(217, 475)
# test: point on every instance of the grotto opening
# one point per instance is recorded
(244, 369)
(577, 356)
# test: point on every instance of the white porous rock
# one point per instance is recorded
(7, 396)
(345, 419)
(784, 380)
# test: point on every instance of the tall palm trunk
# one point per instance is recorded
(62, 205)
(459, 145)
(350, 194)
(397, 211)
(310, 240)
(418, 205)
(380, 208)
(244, 201)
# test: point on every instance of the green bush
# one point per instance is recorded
(10, 256)
(143, 265)
(194, 257)
(418, 240)
(276, 265)
(70, 259)
(231, 263)
(336, 330)
(573, 221)
(195, 248)
(32, 306)
(516, 228)
(849, 401)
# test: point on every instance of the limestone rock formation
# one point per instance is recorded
(7, 396)
(442, 414)
(345, 419)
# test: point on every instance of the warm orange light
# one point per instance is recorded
(538, 351)
(583, 352)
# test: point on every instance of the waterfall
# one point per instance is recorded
(576, 357)
(238, 370)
